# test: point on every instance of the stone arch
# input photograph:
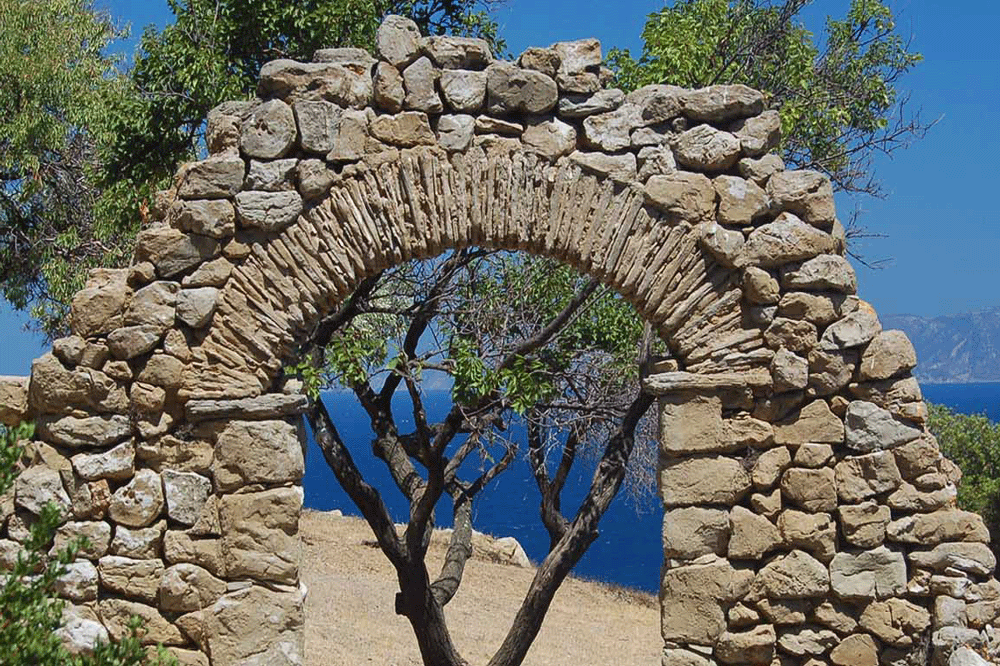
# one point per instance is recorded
(809, 515)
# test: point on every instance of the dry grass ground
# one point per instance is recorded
(350, 618)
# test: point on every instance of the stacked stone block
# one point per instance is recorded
(810, 518)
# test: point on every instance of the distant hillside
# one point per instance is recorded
(962, 348)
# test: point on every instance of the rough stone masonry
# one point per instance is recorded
(810, 518)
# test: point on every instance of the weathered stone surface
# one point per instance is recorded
(260, 534)
(183, 455)
(723, 244)
(253, 626)
(796, 575)
(38, 485)
(790, 371)
(820, 309)
(267, 406)
(758, 134)
(611, 131)
(215, 178)
(966, 656)
(686, 196)
(162, 370)
(888, 355)
(257, 452)
(583, 105)
(759, 286)
(974, 558)
(864, 524)
(131, 341)
(855, 650)
(185, 494)
(79, 582)
(550, 138)
(795, 335)
(704, 148)
(153, 305)
(188, 587)
(814, 423)
(697, 593)
(510, 89)
(195, 307)
(420, 82)
(317, 122)
(116, 613)
(388, 87)
(463, 91)
(181, 547)
(97, 308)
(752, 535)
(681, 657)
(315, 180)
(836, 615)
(808, 194)
(916, 458)
(80, 634)
(13, 400)
(785, 240)
(746, 647)
(895, 621)
(813, 455)
(578, 56)
(826, 272)
(398, 40)
(703, 480)
(692, 424)
(455, 132)
(172, 251)
(784, 612)
(457, 52)
(139, 502)
(97, 533)
(759, 170)
(345, 56)
(142, 544)
(811, 489)
(655, 161)
(744, 430)
(54, 389)
(908, 498)
(406, 129)
(872, 574)
(807, 641)
(268, 211)
(117, 463)
(854, 330)
(871, 428)
(930, 529)
(769, 467)
(814, 532)
(347, 85)
(621, 167)
(544, 60)
(740, 201)
(861, 477)
(718, 104)
(208, 217)
(269, 132)
(691, 532)
(137, 579)
(659, 103)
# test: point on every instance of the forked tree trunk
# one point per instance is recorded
(416, 602)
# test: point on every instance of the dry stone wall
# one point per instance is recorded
(810, 518)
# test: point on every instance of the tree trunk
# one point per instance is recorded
(416, 602)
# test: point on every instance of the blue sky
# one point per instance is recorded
(940, 214)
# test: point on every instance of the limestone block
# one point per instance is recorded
(13, 400)
(767, 505)
(704, 148)
(811, 489)
(185, 494)
(510, 89)
(721, 103)
(759, 286)
(550, 138)
(759, 170)
(195, 307)
(489, 125)
(139, 502)
(345, 55)
(268, 211)
(835, 615)
(659, 103)
(611, 131)
(820, 309)
(826, 272)
(691, 424)
(131, 341)
(116, 613)
(97, 308)
(398, 40)
(830, 371)
(796, 575)
(930, 529)
(864, 524)
(346, 85)
(169, 452)
(172, 251)
(681, 657)
(153, 305)
(769, 467)
(694, 595)
(813, 455)
(752, 535)
(406, 129)
(37, 486)
(895, 621)
(917, 458)
(388, 88)
(583, 105)
(137, 579)
(790, 371)
(758, 134)
(420, 82)
(966, 656)
(691, 532)
(686, 196)
(464, 91)
(455, 132)
(784, 612)
(352, 139)
(79, 582)
(878, 573)
(621, 167)
(315, 180)
(317, 123)
(908, 498)
(97, 533)
(786, 240)
(755, 646)
(703, 480)
(222, 127)
(814, 423)
(544, 60)
(215, 218)
(974, 558)
(259, 534)
(90, 500)
(807, 641)
(808, 194)
(724, 245)
(862, 477)
(257, 452)
(218, 177)
(80, 635)
(117, 463)
(855, 650)
(854, 330)
(54, 389)
(871, 428)
(181, 547)
(655, 161)
(798, 336)
(188, 587)
(450, 52)
(813, 532)
(744, 430)
(578, 56)
(889, 354)
(141, 544)
(740, 201)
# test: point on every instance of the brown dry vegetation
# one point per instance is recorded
(350, 617)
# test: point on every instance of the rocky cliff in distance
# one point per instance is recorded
(954, 349)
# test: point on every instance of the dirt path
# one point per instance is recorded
(350, 618)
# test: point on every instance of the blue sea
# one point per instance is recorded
(628, 551)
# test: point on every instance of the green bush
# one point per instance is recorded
(973, 443)
(30, 612)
